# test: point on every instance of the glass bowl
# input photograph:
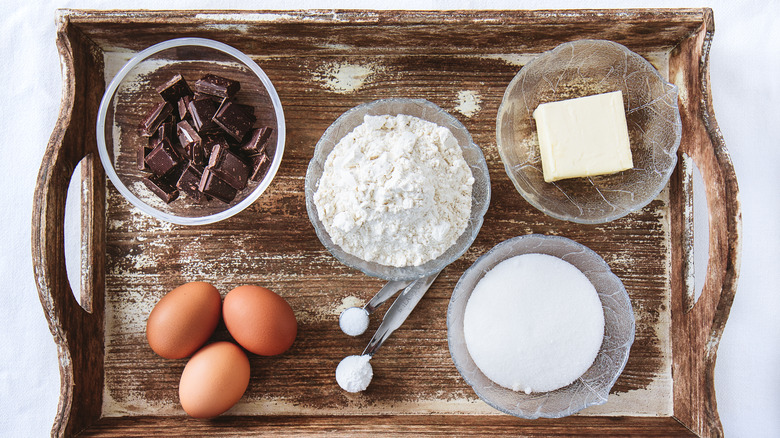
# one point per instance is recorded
(480, 197)
(583, 68)
(592, 388)
(131, 95)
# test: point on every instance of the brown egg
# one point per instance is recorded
(260, 320)
(214, 379)
(183, 320)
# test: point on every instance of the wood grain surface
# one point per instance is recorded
(323, 63)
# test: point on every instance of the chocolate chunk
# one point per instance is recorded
(212, 185)
(257, 141)
(163, 158)
(196, 154)
(259, 166)
(228, 166)
(155, 118)
(234, 120)
(184, 104)
(165, 130)
(201, 96)
(165, 191)
(175, 173)
(210, 141)
(143, 151)
(214, 85)
(174, 89)
(249, 109)
(187, 134)
(202, 111)
(189, 181)
(180, 151)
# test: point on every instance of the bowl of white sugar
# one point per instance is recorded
(539, 326)
(397, 188)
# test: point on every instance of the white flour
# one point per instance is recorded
(396, 191)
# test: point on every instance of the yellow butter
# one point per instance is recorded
(582, 137)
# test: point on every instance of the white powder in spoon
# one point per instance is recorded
(533, 323)
(354, 321)
(354, 373)
(395, 191)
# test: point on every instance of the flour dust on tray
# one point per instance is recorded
(395, 191)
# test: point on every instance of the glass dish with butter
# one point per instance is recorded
(564, 143)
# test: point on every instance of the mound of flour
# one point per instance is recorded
(396, 191)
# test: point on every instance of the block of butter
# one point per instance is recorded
(585, 136)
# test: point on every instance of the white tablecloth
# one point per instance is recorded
(745, 72)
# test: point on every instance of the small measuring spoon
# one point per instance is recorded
(354, 320)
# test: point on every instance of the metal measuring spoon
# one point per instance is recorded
(354, 320)
(399, 311)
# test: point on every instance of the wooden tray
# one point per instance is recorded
(323, 63)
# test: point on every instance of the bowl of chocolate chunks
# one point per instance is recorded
(190, 131)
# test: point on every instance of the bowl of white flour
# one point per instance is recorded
(397, 188)
(539, 326)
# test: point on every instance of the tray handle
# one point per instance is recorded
(77, 330)
(697, 326)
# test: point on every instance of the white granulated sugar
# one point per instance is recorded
(354, 321)
(533, 323)
(395, 191)
(354, 373)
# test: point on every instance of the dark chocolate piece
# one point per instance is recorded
(180, 151)
(189, 181)
(183, 105)
(163, 158)
(187, 134)
(210, 141)
(173, 176)
(196, 154)
(212, 185)
(202, 111)
(259, 166)
(166, 130)
(201, 96)
(155, 118)
(191, 142)
(214, 85)
(257, 141)
(143, 151)
(228, 166)
(174, 89)
(234, 120)
(165, 191)
(249, 109)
